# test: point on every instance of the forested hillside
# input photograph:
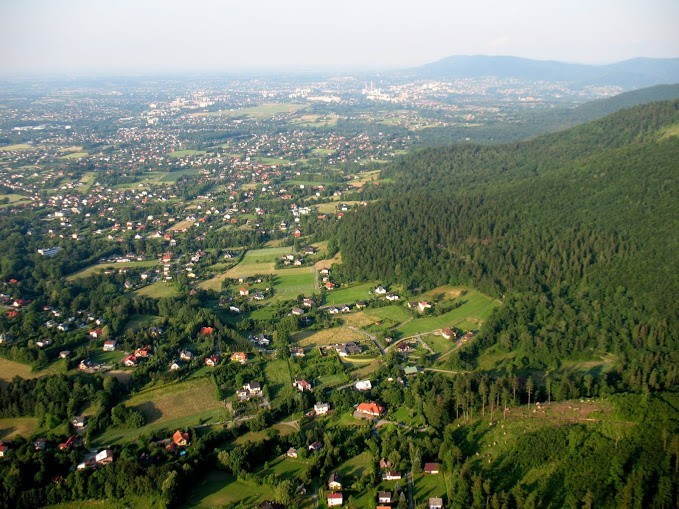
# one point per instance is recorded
(576, 231)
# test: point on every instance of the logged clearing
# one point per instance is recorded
(359, 319)
(327, 337)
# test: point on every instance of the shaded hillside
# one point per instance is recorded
(629, 74)
(577, 230)
(531, 123)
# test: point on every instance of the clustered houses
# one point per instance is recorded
(174, 241)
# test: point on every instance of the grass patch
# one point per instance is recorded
(439, 344)
(100, 267)
(475, 309)
(220, 489)
(171, 406)
(18, 426)
(285, 468)
(107, 358)
(359, 319)
(258, 261)
(289, 283)
(182, 225)
(426, 486)
(277, 375)
(357, 466)
(349, 295)
(263, 110)
(159, 290)
(397, 314)
(10, 369)
(173, 176)
(669, 131)
(75, 155)
(18, 147)
(408, 416)
(182, 153)
(333, 206)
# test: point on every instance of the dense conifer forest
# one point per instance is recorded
(575, 231)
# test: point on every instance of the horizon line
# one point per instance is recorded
(293, 70)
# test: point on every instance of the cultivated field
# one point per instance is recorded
(159, 290)
(171, 406)
(327, 337)
(181, 153)
(181, 225)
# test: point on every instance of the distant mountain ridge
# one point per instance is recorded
(629, 74)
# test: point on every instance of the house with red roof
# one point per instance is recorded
(371, 409)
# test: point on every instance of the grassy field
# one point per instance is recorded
(427, 486)
(264, 110)
(476, 308)
(407, 416)
(356, 466)
(173, 176)
(395, 313)
(285, 468)
(171, 406)
(18, 426)
(438, 343)
(219, 489)
(19, 147)
(159, 290)
(181, 225)
(358, 319)
(314, 120)
(75, 155)
(10, 369)
(362, 178)
(327, 337)
(333, 206)
(289, 283)
(349, 295)
(181, 153)
(14, 198)
(100, 267)
(277, 375)
(258, 261)
(107, 358)
(93, 504)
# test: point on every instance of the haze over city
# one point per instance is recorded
(301, 35)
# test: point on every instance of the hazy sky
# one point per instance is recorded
(118, 36)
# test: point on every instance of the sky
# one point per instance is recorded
(146, 36)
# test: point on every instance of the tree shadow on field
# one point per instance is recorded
(150, 411)
(6, 431)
